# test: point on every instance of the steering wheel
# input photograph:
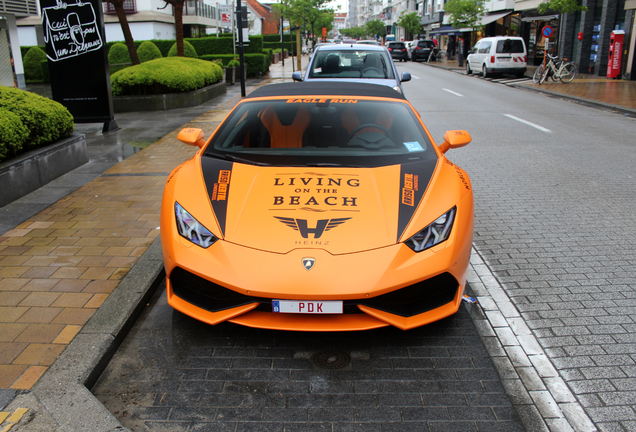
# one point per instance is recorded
(373, 71)
(372, 139)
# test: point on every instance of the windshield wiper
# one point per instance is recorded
(234, 158)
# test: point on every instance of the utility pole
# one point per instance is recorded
(241, 50)
(282, 43)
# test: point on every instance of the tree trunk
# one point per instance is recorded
(178, 24)
(125, 28)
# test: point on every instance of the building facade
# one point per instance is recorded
(11, 68)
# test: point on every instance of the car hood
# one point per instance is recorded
(340, 210)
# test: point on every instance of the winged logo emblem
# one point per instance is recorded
(302, 225)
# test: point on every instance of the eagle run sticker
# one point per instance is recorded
(220, 188)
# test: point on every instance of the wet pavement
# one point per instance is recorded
(173, 373)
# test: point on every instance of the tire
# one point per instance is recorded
(538, 74)
(568, 72)
(468, 69)
(484, 71)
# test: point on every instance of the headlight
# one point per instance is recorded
(191, 229)
(433, 234)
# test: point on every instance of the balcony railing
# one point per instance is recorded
(130, 7)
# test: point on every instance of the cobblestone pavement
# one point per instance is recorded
(556, 222)
(173, 373)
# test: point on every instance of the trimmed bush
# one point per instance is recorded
(211, 45)
(289, 46)
(166, 75)
(118, 54)
(13, 133)
(188, 50)
(257, 64)
(46, 120)
(33, 64)
(148, 51)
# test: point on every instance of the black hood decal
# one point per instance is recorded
(414, 179)
(217, 174)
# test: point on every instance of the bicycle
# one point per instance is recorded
(556, 69)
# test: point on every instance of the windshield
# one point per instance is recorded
(398, 45)
(351, 64)
(510, 46)
(322, 131)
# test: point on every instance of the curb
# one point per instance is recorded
(583, 101)
(61, 400)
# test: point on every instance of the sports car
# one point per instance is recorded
(318, 207)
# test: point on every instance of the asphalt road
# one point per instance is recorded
(554, 187)
(555, 217)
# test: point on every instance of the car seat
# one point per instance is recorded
(286, 124)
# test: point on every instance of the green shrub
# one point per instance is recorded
(148, 51)
(188, 50)
(166, 75)
(276, 37)
(289, 46)
(211, 45)
(257, 64)
(46, 120)
(13, 133)
(118, 54)
(33, 64)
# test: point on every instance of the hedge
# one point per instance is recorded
(45, 120)
(257, 64)
(276, 37)
(289, 46)
(118, 54)
(13, 133)
(148, 51)
(188, 50)
(165, 75)
(33, 64)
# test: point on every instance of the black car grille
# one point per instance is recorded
(411, 300)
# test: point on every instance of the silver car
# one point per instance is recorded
(370, 64)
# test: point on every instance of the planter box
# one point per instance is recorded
(230, 76)
(167, 101)
(32, 170)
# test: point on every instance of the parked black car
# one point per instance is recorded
(398, 51)
(422, 50)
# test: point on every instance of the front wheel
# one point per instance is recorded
(484, 71)
(468, 69)
(567, 72)
(538, 74)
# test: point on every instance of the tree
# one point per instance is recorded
(325, 19)
(561, 6)
(376, 28)
(177, 6)
(464, 13)
(411, 23)
(354, 32)
(125, 28)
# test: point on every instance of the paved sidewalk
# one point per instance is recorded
(619, 94)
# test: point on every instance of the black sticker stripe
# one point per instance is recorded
(217, 174)
(414, 179)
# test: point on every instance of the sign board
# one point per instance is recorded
(225, 17)
(547, 31)
(76, 51)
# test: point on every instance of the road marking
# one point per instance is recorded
(534, 125)
(414, 76)
(452, 92)
(13, 419)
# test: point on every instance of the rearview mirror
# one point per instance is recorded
(454, 139)
(296, 76)
(406, 76)
(191, 136)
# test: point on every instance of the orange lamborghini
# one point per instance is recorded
(318, 207)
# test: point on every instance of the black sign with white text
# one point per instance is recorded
(76, 50)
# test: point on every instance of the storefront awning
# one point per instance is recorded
(450, 30)
(539, 18)
(487, 19)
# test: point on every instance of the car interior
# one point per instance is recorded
(351, 64)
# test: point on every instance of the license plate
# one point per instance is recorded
(307, 306)
(504, 59)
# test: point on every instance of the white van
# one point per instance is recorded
(499, 54)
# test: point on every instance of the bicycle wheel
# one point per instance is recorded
(538, 74)
(567, 72)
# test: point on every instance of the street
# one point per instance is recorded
(554, 219)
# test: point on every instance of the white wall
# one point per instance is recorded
(26, 36)
(141, 31)
(153, 5)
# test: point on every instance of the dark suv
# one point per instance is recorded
(422, 50)
(398, 51)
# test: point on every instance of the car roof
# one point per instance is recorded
(351, 47)
(331, 88)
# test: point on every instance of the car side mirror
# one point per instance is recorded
(454, 139)
(296, 76)
(406, 76)
(191, 136)
(472, 51)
